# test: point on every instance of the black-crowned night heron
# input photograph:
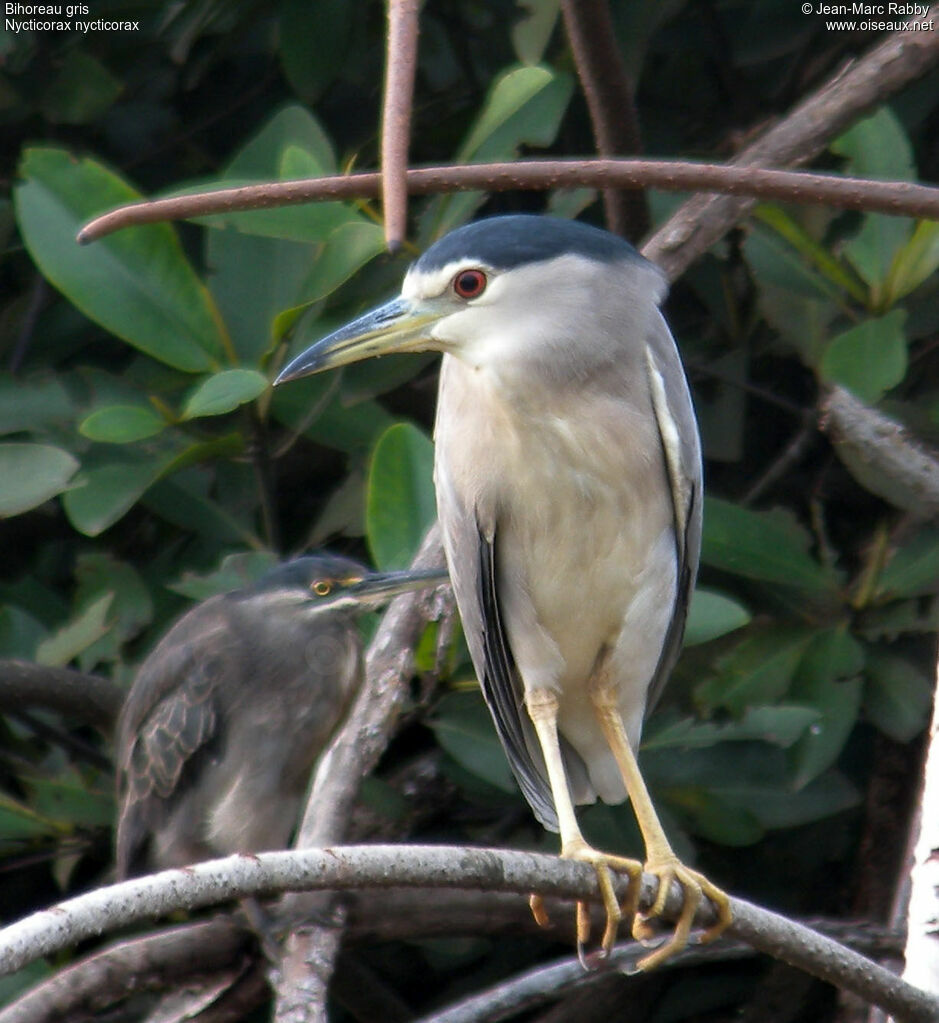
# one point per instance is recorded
(568, 477)
(227, 715)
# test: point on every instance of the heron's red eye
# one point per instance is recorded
(469, 283)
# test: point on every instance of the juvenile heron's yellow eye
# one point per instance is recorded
(322, 587)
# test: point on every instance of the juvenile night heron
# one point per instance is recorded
(227, 716)
(568, 477)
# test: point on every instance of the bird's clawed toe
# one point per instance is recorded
(695, 887)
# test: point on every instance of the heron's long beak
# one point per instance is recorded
(397, 326)
(378, 588)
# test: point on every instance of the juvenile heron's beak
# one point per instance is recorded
(397, 326)
(378, 588)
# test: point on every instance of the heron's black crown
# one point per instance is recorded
(299, 573)
(510, 241)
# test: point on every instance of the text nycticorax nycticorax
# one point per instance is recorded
(228, 714)
(568, 476)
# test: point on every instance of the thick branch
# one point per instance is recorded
(352, 755)
(165, 960)
(802, 134)
(881, 454)
(611, 102)
(357, 867)
(89, 698)
(900, 198)
(400, 64)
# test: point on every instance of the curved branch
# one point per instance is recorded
(900, 198)
(853, 90)
(89, 698)
(357, 867)
(166, 959)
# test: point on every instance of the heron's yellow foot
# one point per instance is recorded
(696, 886)
(605, 865)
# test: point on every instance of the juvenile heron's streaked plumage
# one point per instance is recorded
(228, 714)
(568, 478)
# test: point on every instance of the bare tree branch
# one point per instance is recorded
(900, 198)
(611, 102)
(802, 134)
(400, 64)
(881, 454)
(299, 985)
(89, 698)
(170, 957)
(358, 867)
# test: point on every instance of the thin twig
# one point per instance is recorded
(611, 102)
(900, 198)
(400, 65)
(366, 867)
(803, 133)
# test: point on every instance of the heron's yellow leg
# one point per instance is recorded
(543, 709)
(660, 858)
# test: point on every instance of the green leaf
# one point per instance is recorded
(346, 251)
(914, 263)
(870, 358)
(33, 404)
(711, 615)
(774, 261)
(757, 670)
(751, 776)
(20, 633)
(136, 283)
(898, 697)
(827, 681)
(107, 492)
(810, 250)
(913, 570)
(877, 147)
(69, 641)
(254, 278)
(708, 815)
(524, 106)
(269, 154)
(121, 424)
(235, 572)
(31, 474)
(463, 727)
(530, 33)
(292, 125)
(99, 574)
(400, 504)
(82, 90)
(760, 545)
(349, 428)
(781, 725)
(68, 801)
(224, 392)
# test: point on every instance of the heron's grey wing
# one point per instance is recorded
(681, 450)
(159, 738)
(472, 555)
(502, 687)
